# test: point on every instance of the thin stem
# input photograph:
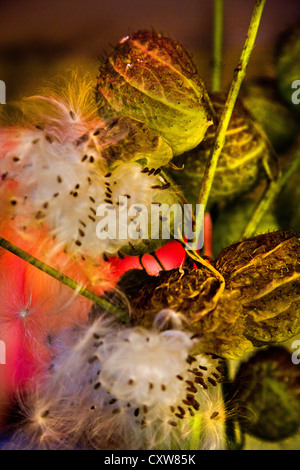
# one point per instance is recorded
(269, 195)
(217, 46)
(61, 278)
(238, 77)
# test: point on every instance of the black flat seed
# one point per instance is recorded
(136, 412)
(78, 243)
(49, 139)
(172, 423)
(112, 401)
(45, 414)
(81, 232)
(16, 159)
(92, 218)
(181, 410)
(202, 367)
(145, 170)
(84, 158)
(107, 175)
(72, 115)
(191, 412)
(157, 171)
(59, 179)
(163, 387)
(116, 411)
(190, 359)
(92, 159)
(212, 381)
(4, 176)
(92, 199)
(151, 171)
(97, 385)
(92, 359)
(93, 210)
(179, 416)
(214, 415)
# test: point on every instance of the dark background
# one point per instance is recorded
(41, 38)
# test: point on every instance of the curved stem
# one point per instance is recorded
(61, 278)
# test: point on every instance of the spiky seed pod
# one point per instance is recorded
(265, 271)
(240, 164)
(131, 388)
(266, 395)
(153, 79)
(262, 99)
(288, 64)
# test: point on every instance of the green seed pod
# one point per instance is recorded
(240, 164)
(266, 395)
(287, 205)
(265, 271)
(152, 78)
(125, 139)
(230, 222)
(262, 99)
(288, 65)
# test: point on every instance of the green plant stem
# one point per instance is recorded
(61, 278)
(238, 77)
(272, 190)
(217, 45)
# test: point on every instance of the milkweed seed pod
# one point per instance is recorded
(58, 163)
(240, 164)
(152, 78)
(185, 290)
(192, 299)
(287, 204)
(288, 66)
(266, 395)
(231, 221)
(129, 389)
(127, 140)
(264, 102)
(265, 271)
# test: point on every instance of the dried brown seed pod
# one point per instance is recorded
(265, 270)
(185, 290)
(152, 78)
(266, 395)
(242, 162)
